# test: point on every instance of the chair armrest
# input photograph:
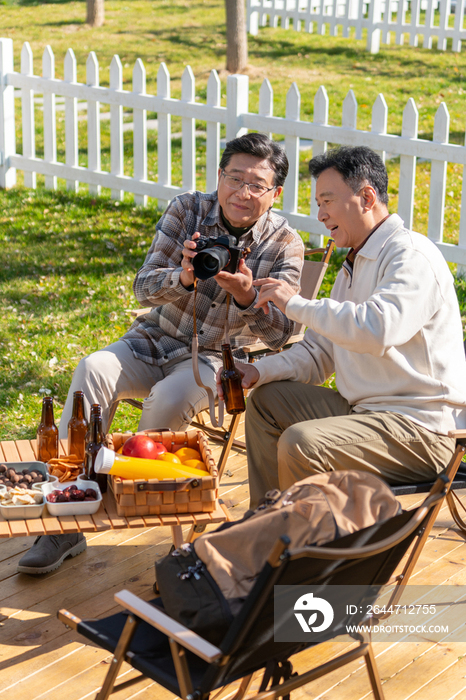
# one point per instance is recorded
(457, 434)
(140, 312)
(260, 347)
(161, 621)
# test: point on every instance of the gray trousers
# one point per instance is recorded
(294, 430)
(171, 395)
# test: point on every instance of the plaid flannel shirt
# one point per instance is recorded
(166, 331)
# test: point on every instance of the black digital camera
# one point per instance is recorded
(215, 255)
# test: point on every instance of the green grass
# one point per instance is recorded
(68, 261)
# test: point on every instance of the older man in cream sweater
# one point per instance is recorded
(391, 332)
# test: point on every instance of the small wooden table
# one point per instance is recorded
(106, 517)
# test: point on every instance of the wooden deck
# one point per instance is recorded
(41, 659)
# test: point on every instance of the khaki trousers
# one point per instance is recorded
(294, 430)
(171, 395)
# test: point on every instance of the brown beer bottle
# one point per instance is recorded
(231, 383)
(93, 445)
(47, 433)
(95, 408)
(77, 427)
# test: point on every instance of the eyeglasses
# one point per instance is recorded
(235, 183)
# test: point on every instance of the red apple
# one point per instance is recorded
(143, 446)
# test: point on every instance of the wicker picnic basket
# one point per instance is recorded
(167, 496)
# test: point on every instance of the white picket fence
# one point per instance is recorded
(382, 20)
(237, 120)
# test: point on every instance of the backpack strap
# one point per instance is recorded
(195, 360)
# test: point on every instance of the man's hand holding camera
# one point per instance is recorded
(239, 284)
(189, 251)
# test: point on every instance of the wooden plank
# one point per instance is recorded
(449, 683)
(4, 528)
(51, 525)
(202, 518)
(68, 523)
(35, 526)
(101, 519)
(135, 521)
(152, 520)
(10, 452)
(85, 523)
(34, 447)
(117, 521)
(18, 528)
(25, 451)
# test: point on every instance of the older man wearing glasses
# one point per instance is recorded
(153, 359)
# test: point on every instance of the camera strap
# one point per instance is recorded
(195, 359)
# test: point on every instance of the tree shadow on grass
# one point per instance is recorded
(33, 3)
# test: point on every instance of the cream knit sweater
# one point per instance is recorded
(391, 331)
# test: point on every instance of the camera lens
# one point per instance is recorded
(210, 262)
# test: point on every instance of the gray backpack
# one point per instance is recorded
(204, 584)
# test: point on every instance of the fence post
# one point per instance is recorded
(407, 182)
(373, 33)
(252, 17)
(188, 128)
(290, 192)
(116, 125)
(71, 119)
(438, 177)
(237, 104)
(321, 106)
(27, 115)
(7, 116)
(165, 135)
(50, 117)
(93, 121)
(140, 131)
(214, 91)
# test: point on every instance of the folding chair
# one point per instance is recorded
(456, 474)
(191, 667)
(311, 279)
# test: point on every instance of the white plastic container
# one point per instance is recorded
(22, 512)
(72, 507)
(51, 480)
(38, 466)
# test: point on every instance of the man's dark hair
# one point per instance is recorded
(261, 146)
(356, 165)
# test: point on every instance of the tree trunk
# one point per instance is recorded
(95, 13)
(237, 43)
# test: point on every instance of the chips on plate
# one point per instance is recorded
(65, 467)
